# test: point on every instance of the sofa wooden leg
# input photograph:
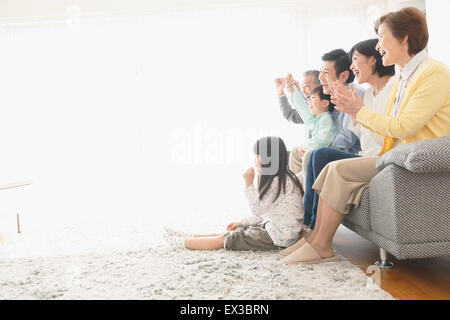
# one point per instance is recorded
(383, 263)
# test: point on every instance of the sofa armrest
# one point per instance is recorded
(410, 207)
(431, 155)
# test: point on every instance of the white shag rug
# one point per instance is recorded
(133, 262)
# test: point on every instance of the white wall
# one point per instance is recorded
(15, 8)
(439, 28)
(398, 4)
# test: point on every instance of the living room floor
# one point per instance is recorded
(415, 279)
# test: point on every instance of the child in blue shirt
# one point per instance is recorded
(318, 119)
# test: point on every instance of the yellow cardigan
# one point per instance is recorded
(424, 112)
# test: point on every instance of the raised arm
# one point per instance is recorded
(297, 99)
(288, 112)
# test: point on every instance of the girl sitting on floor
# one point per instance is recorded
(276, 206)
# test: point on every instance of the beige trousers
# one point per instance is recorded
(341, 183)
(297, 163)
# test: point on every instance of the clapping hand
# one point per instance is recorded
(346, 100)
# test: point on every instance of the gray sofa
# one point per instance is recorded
(406, 208)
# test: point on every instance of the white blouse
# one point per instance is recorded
(284, 217)
(371, 143)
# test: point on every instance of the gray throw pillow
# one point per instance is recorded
(431, 155)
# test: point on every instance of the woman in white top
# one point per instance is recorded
(376, 97)
(275, 204)
(367, 65)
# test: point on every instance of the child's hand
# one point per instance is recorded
(290, 82)
(233, 226)
(249, 176)
(301, 152)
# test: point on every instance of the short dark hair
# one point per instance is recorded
(341, 62)
(409, 21)
(314, 74)
(322, 96)
(367, 48)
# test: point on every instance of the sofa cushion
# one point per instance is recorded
(431, 155)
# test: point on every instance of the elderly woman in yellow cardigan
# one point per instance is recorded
(419, 109)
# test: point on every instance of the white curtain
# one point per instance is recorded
(155, 114)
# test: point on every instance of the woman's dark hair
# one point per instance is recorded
(274, 163)
(367, 48)
(341, 62)
(322, 96)
(409, 21)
